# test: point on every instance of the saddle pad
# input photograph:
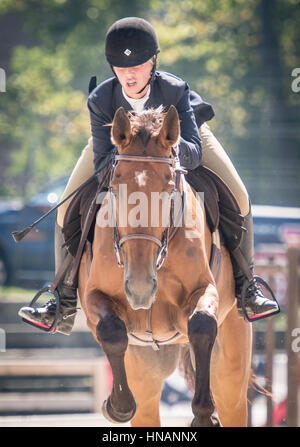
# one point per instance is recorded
(202, 183)
(221, 207)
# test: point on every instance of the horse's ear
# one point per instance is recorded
(121, 129)
(170, 130)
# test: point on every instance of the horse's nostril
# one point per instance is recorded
(154, 280)
(140, 293)
(126, 286)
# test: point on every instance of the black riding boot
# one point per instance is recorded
(43, 317)
(255, 303)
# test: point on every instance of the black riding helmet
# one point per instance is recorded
(130, 41)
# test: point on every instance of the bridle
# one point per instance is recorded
(167, 234)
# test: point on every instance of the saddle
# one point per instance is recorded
(222, 213)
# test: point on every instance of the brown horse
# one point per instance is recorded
(142, 315)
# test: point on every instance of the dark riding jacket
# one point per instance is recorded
(166, 89)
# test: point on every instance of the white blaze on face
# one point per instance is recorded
(140, 178)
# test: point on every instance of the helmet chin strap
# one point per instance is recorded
(152, 74)
(144, 87)
(150, 78)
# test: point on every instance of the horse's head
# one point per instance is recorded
(142, 180)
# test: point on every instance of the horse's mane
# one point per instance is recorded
(148, 122)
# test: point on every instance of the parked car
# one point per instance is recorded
(32, 259)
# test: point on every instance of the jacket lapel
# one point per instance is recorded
(156, 97)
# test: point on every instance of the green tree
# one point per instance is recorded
(44, 117)
(238, 55)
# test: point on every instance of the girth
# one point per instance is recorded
(150, 341)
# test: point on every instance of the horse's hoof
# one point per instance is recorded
(216, 421)
(212, 421)
(116, 417)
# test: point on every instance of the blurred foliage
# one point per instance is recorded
(237, 55)
(43, 114)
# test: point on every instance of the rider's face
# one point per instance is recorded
(133, 79)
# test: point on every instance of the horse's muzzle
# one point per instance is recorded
(140, 293)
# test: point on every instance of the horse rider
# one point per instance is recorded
(131, 50)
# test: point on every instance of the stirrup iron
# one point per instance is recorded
(52, 328)
(257, 279)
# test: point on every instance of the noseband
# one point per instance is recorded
(163, 243)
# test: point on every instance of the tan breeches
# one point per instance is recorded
(84, 168)
(214, 157)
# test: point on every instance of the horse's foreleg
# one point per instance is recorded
(146, 371)
(111, 333)
(202, 331)
(232, 369)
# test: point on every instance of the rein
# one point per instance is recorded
(163, 243)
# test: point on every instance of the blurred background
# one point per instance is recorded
(242, 57)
